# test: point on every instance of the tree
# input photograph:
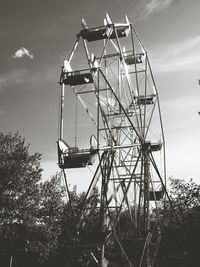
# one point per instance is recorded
(20, 173)
(181, 224)
(46, 233)
(71, 251)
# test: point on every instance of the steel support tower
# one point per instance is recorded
(117, 90)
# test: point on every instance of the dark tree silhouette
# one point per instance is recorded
(181, 223)
(20, 173)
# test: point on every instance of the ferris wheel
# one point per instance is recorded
(115, 86)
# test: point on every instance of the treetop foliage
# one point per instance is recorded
(38, 226)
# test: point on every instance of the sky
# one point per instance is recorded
(37, 35)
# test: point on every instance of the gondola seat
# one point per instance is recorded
(74, 78)
(73, 157)
(134, 59)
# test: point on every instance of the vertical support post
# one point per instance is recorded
(11, 261)
(62, 95)
(146, 201)
(145, 95)
(104, 169)
(98, 114)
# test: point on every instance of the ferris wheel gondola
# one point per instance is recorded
(74, 157)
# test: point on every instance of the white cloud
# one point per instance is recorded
(16, 76)
(23, 52)
(181, 56)
(157, 5)
(152, 6)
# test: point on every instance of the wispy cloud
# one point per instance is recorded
(180, 56)
(157, 5)
(147, 7)
(14, 77)
(23, 52)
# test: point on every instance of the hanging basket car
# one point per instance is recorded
(73, 157)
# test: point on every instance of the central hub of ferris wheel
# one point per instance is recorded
(109, 72)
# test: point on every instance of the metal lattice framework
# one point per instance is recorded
(118, 83)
